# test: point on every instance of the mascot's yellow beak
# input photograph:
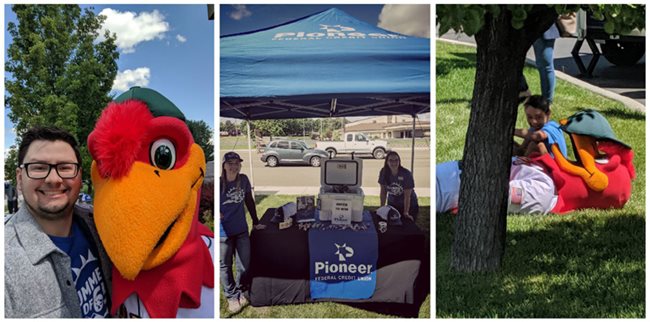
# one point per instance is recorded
(148, 213)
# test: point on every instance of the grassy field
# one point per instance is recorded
(589, 263)
(228, 143)
(324, 310)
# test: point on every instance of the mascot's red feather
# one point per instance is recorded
(147, 172)
(601, 177)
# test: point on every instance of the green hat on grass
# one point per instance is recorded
(158, 104)
(591, 123)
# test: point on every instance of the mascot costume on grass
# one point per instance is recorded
(601, 177)
(147, 173)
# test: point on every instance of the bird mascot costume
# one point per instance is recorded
(147, 173)
(601, 176)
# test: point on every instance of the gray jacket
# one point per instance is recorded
(38, 277)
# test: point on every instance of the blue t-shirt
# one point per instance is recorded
(554, 135)
(86, 272)
(395, 186)
(232, 207)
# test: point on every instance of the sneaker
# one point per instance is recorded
(233, 305)
(242, 300)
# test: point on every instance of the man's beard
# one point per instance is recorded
(50, 213)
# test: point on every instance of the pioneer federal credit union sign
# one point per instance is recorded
(333, 32)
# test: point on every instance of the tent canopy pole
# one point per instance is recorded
(413, 147)
(250, 155)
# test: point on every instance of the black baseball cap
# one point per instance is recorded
(231, 156)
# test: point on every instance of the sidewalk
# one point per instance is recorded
(312, 190)
(608, 84)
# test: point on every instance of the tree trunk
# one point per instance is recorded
(480, 227)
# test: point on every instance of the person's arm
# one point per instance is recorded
(537, 136)
(524, 145)
(520, 148)
(407, 203)
(382, 195)
(521, 133)
(252, 210)
(516, 148)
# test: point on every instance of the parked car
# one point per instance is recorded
(291, 152)
(355, 143)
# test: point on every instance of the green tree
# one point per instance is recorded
(294, 127)
(203, 136)
(227, 126)
(11, 163)
(503, 35)
(59, 73)
(268, 127)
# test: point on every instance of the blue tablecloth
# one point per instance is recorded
(343, 262)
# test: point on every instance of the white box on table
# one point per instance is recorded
(341, 181)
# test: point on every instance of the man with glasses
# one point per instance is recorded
(55, 265)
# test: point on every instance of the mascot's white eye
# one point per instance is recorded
(163, 154)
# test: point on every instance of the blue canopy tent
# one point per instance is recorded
(328, 64)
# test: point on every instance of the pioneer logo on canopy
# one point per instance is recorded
(333, 32)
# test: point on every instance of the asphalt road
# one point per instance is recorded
(305, 175)
(627, 81)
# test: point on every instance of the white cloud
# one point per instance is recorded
(180, 38)
(133, 28)
(240, 12)
(412, 20)
(129, 78)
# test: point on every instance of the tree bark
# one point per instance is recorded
(480, 226)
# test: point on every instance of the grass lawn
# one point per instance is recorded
(589, 263)
(326, 309)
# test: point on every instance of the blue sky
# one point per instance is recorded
(169, 48)
(253, 17)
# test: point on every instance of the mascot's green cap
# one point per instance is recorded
(158, 104)
(591, 123)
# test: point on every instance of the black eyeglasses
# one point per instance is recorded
(40, 170)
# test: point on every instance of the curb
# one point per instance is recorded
(312, 190)
(395, 149)
(457, 42)
(628, 102)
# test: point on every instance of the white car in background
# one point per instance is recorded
(357, 143)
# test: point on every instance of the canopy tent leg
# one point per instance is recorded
(250, 156)
(413, 147)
